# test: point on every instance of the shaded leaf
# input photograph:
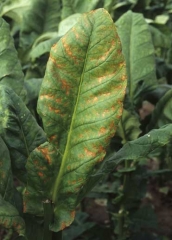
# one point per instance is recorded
(15, 9)
(43, 16)
(43, 47)
(80, 225)
(139, 53)
(33, 87)
(159, 39)
(128, 128)
(11, 72)
(80, 104)
(18, 129)
(162, 113)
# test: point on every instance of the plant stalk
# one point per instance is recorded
(48, 217)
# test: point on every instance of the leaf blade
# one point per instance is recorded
(80, 103)
(18, 129)
(138, 51)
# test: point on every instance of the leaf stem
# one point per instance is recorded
(48, 217)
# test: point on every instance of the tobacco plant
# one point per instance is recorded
(52, 157)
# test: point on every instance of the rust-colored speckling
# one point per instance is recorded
(105, 112)
(107, 53)
(89, 153)
(102, 130)
(77, 36)
(122, 64)
(46, 154)
(2, 175)
(124, 77)
(58, 100)
(63, 226)
(72, 214)
(24, 206)
(101, 149)
(53, 137)
(55, 62)
(65, 86)
(54, 46)
(40, 174)
(53, 109)
(46, 96)
(35, 162)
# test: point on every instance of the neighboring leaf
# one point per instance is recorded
(134, 150)
(33, 87)
(144, 218)
(80, 225)
(15, 9)
(76, 6)
(129, 127)
(11, 72)
(10, 218)
(162, 113)
(139, 53)
(141, 147)
(43, 16)
(80, 104)
(18, 129)
(159, 39)
(43, 47)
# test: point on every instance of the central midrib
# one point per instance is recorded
(64, 159)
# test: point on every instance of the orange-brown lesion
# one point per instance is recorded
(102, 130)
(40, 174)
(65, 86)
(54, 109)
(52, 138)
(89, 153)
(46, 96)
(124, 77)
(63, 226)
(45, 152)
(72, 214)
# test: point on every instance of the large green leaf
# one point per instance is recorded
(11, 73)
(18, 129)
(80, 103)
(43, 16)
(162, 113)
(139, 53)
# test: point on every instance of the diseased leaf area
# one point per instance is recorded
(80, 103)
(85, 119)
